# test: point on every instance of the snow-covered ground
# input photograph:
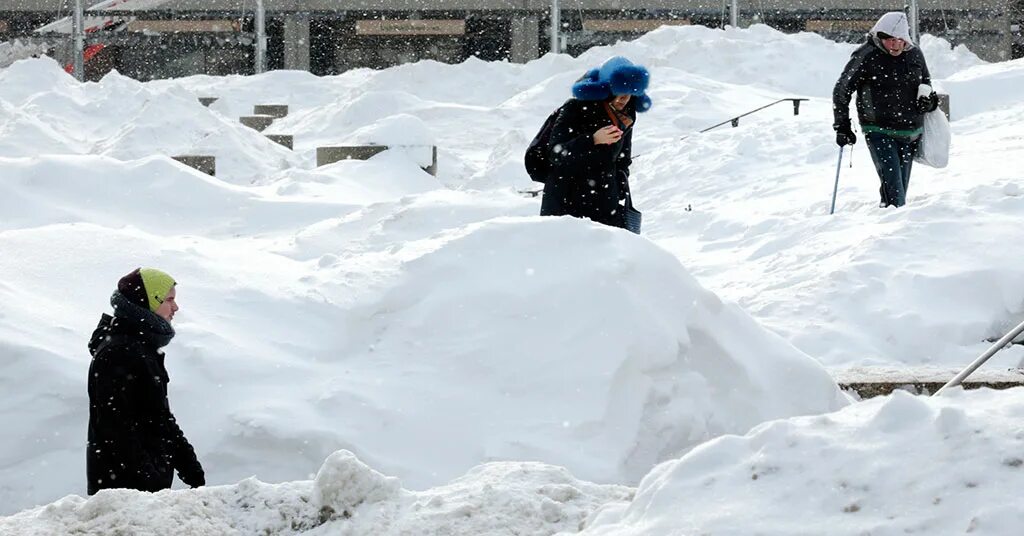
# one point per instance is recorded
(892, 465)
(429, 325)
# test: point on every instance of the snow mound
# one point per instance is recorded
(347, 497)
(12, 51)
(560, 332)
(371, 307)
(553, 340)
(747, 210)
(997, 88)
(126, 119)
(893, 465)
(343, 483)
(148, 194)
(945, 60)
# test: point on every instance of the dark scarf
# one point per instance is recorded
(140, 322)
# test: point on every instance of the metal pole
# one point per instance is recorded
(835, 189)
(734, 14)
(914, 22)
(982, 358)
(556, 22)
(78, 31)
(261, 38)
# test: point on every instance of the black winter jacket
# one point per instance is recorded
(587, 180)
(886, 87)
(134, 440)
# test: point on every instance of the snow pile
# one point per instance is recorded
(430, 324)
(347, 497)
(51, 113)
(892, 465)
(926, 284)
(12, 51)
(518, 339)
(945, 60)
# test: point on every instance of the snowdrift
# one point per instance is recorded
(892, 465)
(514, 339)
(432, 324)
(346, 497)
(125, 119)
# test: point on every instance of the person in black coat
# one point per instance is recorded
(894, 92)
(591, 144)
(134, 440)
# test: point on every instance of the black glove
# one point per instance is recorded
(927, 104)
(193, 476)
(844, 134)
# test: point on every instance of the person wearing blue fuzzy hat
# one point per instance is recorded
(590, 145)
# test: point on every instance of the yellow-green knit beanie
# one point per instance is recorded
(146, 287)
(158, 284)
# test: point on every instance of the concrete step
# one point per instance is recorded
(257, 122)
(204, 163)
(277, 111)
(868, 382)
(286, 140)
(336, 153)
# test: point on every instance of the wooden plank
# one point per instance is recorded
(411, 27)
(816, 25)
(627, 26)
(183, 26)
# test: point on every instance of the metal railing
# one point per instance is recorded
(999, 345)
(735, 121)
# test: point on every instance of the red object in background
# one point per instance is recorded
(90, 53)
(91, 50)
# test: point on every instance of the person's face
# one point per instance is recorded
(894, 45)
(168, 307)
(620, 101)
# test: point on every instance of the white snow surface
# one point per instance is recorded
(12, 51)
(900, 464)
(431, 324)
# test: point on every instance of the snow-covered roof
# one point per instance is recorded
(96, 23)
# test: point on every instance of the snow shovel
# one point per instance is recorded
(835, 189)
(982, 358)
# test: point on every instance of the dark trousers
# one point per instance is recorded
(893, 157)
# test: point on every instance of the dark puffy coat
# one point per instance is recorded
(886, 87)
(587, 180)
(134, 440)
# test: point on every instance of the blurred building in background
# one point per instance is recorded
(149, 39)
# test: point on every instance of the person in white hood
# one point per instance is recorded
(893, 86)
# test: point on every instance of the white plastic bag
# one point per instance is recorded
(933, 150)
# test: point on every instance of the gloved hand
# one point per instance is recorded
(193, 476)
(927, 104)
(844, 134)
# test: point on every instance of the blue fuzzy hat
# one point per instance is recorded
(617, 76)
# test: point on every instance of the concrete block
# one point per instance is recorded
(207, 101)
(944, 103)
(277, 111)
(330, 155)
(256, 122)
(286, 140)
(204, 163)
(432, 168)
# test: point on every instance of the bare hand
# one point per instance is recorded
(607, 135)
